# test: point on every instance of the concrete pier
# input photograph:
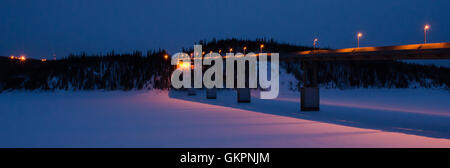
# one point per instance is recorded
(211, 93)
(243, 95)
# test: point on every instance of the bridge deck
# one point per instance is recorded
(414, 51)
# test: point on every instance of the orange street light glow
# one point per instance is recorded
(22, 58)
(231, 50)
(43, 59)
(184, 65)
(166, 56)
(425, 33)
(11, 57)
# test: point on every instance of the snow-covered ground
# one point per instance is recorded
(348, 118)
(155, 119)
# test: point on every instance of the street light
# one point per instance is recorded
(359, 36)
(22, 58)
(166, 56)
(425, 29)
(315, 42)
(261, 47)
(231, 50)
(245, 48)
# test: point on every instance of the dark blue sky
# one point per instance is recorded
(39, 28)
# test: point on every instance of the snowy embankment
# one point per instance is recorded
(349, 118)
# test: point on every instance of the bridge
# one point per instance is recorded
(310, 100)
(402, 52)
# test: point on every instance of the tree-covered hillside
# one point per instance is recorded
(135, 71)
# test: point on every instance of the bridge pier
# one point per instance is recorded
(310, 100)
(309, 96)
(191, 92)
(211, 93)
(243, 94)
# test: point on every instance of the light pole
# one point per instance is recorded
(425, 29)
(315, 42)
(359, 36)
(245, 48)
(261, 47)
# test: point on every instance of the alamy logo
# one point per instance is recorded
(212, 77)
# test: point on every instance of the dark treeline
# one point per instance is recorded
(376, 74)
(238, 45)
(82, 72)
(137, 71)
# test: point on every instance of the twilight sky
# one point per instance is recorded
(40, 28)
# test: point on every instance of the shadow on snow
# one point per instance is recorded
(384, 120)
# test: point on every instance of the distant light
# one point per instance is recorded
(426, 27)
(43, 60)
(166, 56)
(261, 46)
(203, 53)
(245, 48)
(12, 57)
(220, 51)
(22, 58)
(360, 34)
(231, 50)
